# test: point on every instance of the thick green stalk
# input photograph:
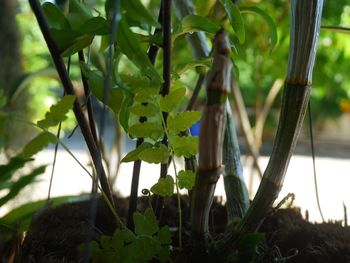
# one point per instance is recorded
(305, 25)
(211, 138)
(236, 191)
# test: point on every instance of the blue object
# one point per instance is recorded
(195, 128)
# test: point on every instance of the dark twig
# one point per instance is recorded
(166, 84)
(68, 86)
(152, 54)
(88, 94)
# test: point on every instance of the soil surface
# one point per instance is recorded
(55, 233)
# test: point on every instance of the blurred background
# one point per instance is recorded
(29, 86)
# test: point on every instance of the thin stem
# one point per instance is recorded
(56, 145)
(179, 210)
(152, 54)
(314, 161)
(196, 91)
(166, 85)
(68, 86)
(88, 95)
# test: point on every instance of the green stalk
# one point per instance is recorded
(305, 25)
(236, 191)
(211, 139)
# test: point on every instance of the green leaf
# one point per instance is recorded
(186, 179)
(124, 112)
(38, 143)
(129, 45)
(164, 254)
(22, 182)
(172, 100)
(78, 14)
(133, 155)
(145, 248)
(164, 187)
(204, 63)
(94, 26)
(235, 18)
(57, 112)
(195, 23)
(269, 21)
(146, 224)
(96, 84)
(24, 213)
(54, 16)
(184, 146)
(183, 121)
(147, 110)
(137, 14)
(155, 154)
(14, 164)
(146, 130)
(163, 235)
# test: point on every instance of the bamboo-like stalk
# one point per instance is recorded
(305, 25)
(211, 137)
(237, 195)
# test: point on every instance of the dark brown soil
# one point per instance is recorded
(55, 233)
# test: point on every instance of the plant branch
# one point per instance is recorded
(152, 55)
(68, 86)
(305, 26)
(166, 85)
(211, 141)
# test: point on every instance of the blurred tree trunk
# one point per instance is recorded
(11, 134)
(10, 62)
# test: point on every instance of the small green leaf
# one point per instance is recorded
(164, 254)
(147, 130)
(184, 146)
(235, 18)
(172, 100)
(195, 23)
(269, 21)
(164, 235)
(146, 224)
(204, 63)
(183, 121)
(58, 112)
(133, 155)
(164, 187)
(186, 179)
(147, 110)
(38, 143)
(155, 154)
(55, 16)
(145, 248)
(124, 111)
(22, 182)
(128, 44)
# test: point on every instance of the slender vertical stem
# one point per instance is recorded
(152, 54)
(314, 160)
(68, 86)
(166, 84)
(88, 95)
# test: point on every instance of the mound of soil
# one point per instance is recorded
(55, 233)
